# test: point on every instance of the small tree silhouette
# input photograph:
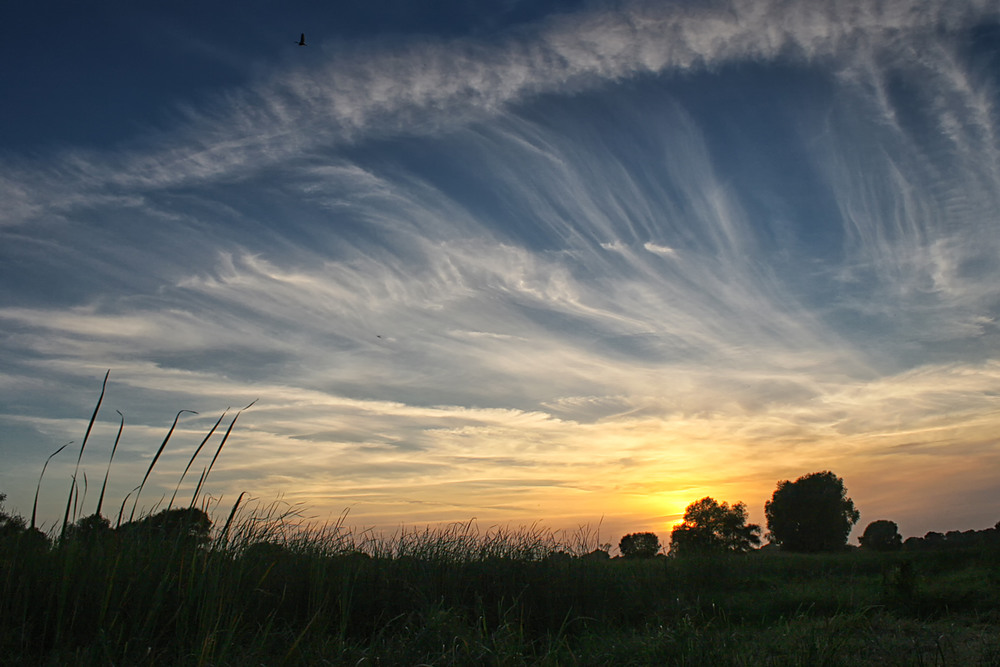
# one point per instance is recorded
(710, 527)
(639, 545)
(11, 525)
(188, 526)
(14, 529)
(881, 535)
(92, 528)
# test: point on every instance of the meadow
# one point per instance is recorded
(252, 584)
(266, 593)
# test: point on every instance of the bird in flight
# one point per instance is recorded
(302, 40)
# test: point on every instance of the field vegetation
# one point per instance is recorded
(159, 594)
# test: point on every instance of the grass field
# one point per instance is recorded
(263, 593)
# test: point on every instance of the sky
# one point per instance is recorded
(517, 262)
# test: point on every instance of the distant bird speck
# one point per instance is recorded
(302, 40)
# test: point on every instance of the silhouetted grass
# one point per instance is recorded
(267, 593)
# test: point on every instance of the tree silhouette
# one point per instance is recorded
(639, 545)
(14, 529)
(188, 526)
(91, 528)
(813, 513)
(11, 525)
(713, 528)
(881, 535)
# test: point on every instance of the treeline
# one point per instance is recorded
(954, 539)
(813, 514)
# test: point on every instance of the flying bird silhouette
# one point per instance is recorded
(302, 40)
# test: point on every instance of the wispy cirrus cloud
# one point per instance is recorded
(405, 88)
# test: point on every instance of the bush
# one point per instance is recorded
(881, 535)
(713, 528)
(639, 545)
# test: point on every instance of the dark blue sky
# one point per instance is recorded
(123, 68)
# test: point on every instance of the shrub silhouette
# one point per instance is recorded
(713, 528)
(881, 535)
(639, 545)
(14, 531)
(91, 528)
(11, 525)
(187, 526)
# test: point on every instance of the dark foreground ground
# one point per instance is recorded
(256, 596)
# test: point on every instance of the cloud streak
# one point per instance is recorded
(405, 89)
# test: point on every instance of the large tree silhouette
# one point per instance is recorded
(713, 528)
(813, 513)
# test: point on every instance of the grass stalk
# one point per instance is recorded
(225, 529)
(83, 446)
(197, 487)
(114, 448)
(83, 498)
(194, 456)
(298, 640)
(34, 506)
(156, 457)
(121, 510)
(204, 477)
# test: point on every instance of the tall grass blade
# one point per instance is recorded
(197, 488)
(156, 458)
(218, 451)
(34, 507)
(232, 513)
(298, 640)
(76, 499)
(121, 510)
(194, 456)
(121, 426)
(83, 446)
(83, 498)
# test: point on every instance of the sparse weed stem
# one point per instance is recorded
(83, 446)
